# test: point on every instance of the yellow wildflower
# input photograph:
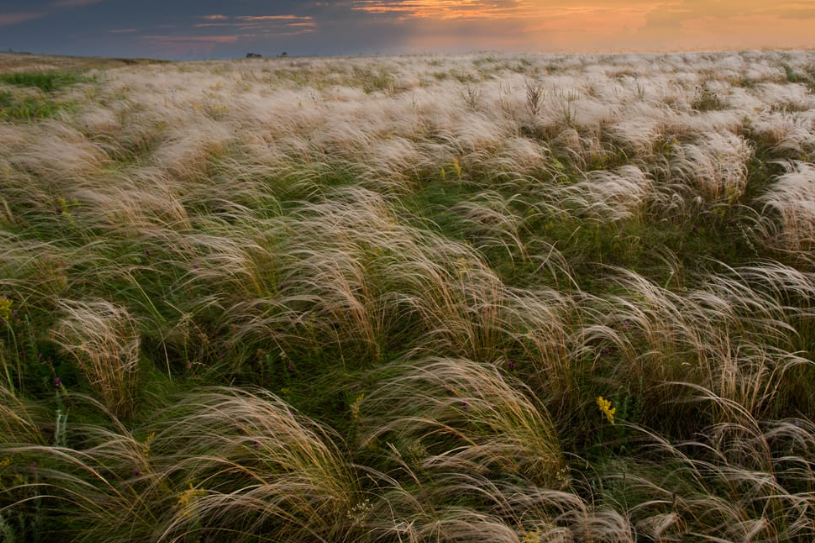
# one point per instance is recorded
(457, 167)
(606, 409)
(146, 445)
(355, 406)
(5, 308)
(188, 497)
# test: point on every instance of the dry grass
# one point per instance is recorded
(378, 299)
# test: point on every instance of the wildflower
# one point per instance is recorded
(58, 382)
(188, 497)
(457, 168)
(146, 445)
(511, 364)
(355, 406)
(532, 537)
(5, 308)
(147, 253)
(196, 266)
(606, 409)
(256, 444)
(136, 472)
(359, 512)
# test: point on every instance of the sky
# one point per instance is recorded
(201, 29)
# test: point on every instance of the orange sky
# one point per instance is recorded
(588, 25)
(229, 28)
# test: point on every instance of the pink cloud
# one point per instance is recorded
(266, 24)
(8, 19)
(181, 46)
(193, 39)
(74, 3)
(254, 18)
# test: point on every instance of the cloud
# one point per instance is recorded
(253, 18)
(9, 19)
(74, 3)
(797, 13)
(728, 24)
(445, 9)
(194, 39)
(175, 46)
(277, 24)
(672, 16)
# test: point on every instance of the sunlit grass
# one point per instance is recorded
(520, 299)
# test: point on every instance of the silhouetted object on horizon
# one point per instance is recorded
(283, 54)
(253, 55)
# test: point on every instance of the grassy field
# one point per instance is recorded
(515, 299)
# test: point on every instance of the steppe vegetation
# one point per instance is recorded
(511, 299)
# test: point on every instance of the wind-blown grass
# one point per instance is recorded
(513, 298)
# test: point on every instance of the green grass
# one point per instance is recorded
(15, 105)
(45, 81)
(27, 108)
(377, 300)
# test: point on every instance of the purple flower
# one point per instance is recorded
(256, 444)
(14, 313)
(136, 472)
(196, 266)
(147, 252)
(464, 405)
(58, 382)
(511, 364)
(291, 366)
